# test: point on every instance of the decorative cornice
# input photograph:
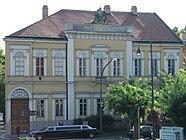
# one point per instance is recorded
(96, 36)
(98, 32)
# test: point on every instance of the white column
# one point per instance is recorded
(34, 108)
(70, 61)
(8, 117)
(77, 108)
(129, 58)
(53, 109)
(27, 73)
(12, 64)
(46, 110)
(88, 107)
(95, 106)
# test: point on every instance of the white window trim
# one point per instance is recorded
(35, 55)
(25, 50)
(63, 61)
(82, 54)
(45, 98)
(117, 55)
(95, 55)
(57, 96)
(135, 56)
(82, 96)
(155, 55)
(175, 53)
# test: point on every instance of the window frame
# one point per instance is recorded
(19, 64)
(40, 105)
(83, 107)
(60, 107)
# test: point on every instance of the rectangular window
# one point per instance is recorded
(99, 66)
(82, 67)
(59, 107)
(83, 107)
(98, 107)
(40, 107)
(116, 64)
(171, 66)
(138, 67)
(39, 66)
(155, 67)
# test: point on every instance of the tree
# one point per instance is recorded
(126, 98)
(2, 84)
(172, 99)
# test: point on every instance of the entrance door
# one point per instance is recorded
(20, 114)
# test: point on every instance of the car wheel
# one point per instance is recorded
(91, 134)
(39, 137)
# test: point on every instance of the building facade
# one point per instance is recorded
(53, 66)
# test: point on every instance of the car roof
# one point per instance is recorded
(66, 126)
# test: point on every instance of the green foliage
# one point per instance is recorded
(78, 121)
(2, 85)
(177, 31)
(108, 122)
(172, 98)
(124, 98)
(94, 121)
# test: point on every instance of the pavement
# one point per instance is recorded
(4, 136)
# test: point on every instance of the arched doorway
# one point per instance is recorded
(20, 110)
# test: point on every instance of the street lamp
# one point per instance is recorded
(152, 83)
(100, 102)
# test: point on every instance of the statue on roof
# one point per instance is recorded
(100, 17)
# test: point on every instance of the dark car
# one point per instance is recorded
(145, 131)
(67, 131)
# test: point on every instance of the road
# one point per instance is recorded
(3, 136)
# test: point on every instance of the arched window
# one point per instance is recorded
(82, 62)
(19, 93)
(19, 63)
(58, 64)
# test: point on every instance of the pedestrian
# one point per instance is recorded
(18, 129)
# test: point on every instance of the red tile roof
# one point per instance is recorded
(147, 25)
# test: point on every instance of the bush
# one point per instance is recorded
(94, 121)
(78, 121)
(108, 122)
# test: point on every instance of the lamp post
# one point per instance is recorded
(152, 83)
(100, 103)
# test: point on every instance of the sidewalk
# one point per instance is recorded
(4, 136)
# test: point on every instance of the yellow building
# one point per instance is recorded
(53, 66)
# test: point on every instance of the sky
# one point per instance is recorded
(17, 14)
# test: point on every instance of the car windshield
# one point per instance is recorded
(43, 129)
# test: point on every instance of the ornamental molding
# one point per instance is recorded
(94, 36)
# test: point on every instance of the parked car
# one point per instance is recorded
(145, 131)
(67, 131)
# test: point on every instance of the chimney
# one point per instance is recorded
(107, 9)
(134, 10)
(45, 11)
